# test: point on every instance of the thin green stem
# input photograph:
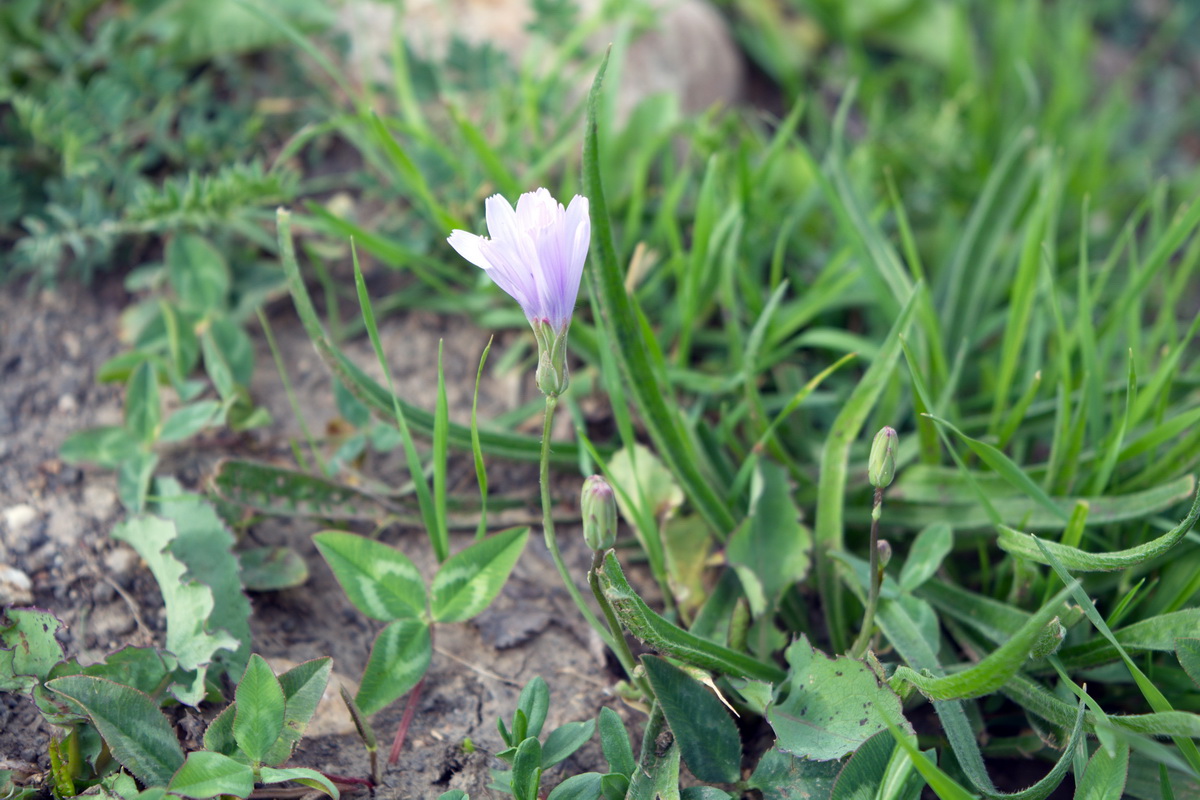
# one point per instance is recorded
(864, 635)
(548, 529)
(622, 651)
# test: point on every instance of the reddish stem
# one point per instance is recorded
(413, 697)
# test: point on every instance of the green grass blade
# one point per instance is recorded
(435, 523)
(380, 400)
(476, 449)
(628, 343)
(441, 422)
(1030, 547)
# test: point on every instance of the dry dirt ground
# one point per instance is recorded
(55, 520)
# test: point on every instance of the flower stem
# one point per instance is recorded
(548, 530)
(622, 651)
(864, 636)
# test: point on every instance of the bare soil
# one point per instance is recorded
(56, 520)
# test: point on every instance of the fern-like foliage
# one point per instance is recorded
(117, 120)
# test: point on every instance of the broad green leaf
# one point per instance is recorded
(925, 556)
(105, 447)
(133, 479)
(189, 604)
(218, 736)
(644, 485)
(614, 740)
(28, 649)
(135, 730)
(783, 776)
(534, 702)
(1104, 777)
(832, 705)
(267, 569)
(287, 492)
(206, 774)
(1072, 558)
(564, 740)
(668, 638)
(862, 776)
(143, 410)
(994, 670)
(186, 422)
(302, 775)
(657, 775)
(260, 709)
(205, 546)
(454, 794)
(303, 685)
(142, 668)
(704, 793)
(708, 739)
(380, 581)
(469, 581)
(578, 787)
(399, 658)
(1187, 650)
(198, 274)
(527, 770)
(770, 549)
(237, 351)
(942, 784)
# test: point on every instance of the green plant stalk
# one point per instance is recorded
(622, 651)
(876, 572)
(552, 541)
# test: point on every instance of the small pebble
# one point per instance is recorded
(15, 587)
(18, 517)
(99, 502)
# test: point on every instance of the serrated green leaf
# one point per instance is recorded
(833, 705)
(267, 569)
(1072, 558)
(205, 546)
(206, 774)
(189, 605)
(135, 730)
(380, 581)
(469, 581)
(783, 776)
(29, 650)
(925, 556)
(398, 660)
(708, 739)
(302, 775)
(260, 708)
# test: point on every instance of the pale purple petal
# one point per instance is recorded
(536, 252)
(468, 246)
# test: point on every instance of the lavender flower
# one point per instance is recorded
(536, 254)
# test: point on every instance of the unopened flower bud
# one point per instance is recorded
(1049, 640)
(884, 551)
(882, 466)
(599, 508)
